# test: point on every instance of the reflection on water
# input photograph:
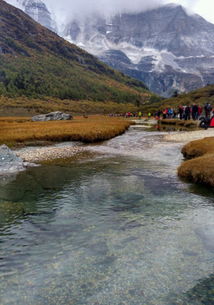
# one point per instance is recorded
(171, 128)
(121, 229)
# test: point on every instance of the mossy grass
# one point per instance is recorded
(184, 123)
(93, 129)
(200, 169)
(198, 148)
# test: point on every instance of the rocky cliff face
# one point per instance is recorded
(38, 10)
(167, 48)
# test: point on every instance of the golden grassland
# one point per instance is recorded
(24, 106)
(201, 168)
(18, 130)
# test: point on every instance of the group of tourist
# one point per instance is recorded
(185, 112)
(182, 112)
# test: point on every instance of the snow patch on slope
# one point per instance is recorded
(98, 44)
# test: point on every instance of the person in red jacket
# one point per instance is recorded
(200, 110)
(212, 119)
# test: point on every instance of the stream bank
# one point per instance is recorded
(120, 228)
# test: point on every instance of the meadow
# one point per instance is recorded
(21, 130)
(23, 106)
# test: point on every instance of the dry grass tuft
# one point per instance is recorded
(198, 148)
(94, 129)
(201, 168)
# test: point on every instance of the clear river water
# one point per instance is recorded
(117, 229)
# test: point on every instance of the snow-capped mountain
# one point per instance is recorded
(38, 10)
(167, 48)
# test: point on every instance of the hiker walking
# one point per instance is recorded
(181, 111)
(200, 110)
(187, 113)
(207, 109)
(194, 112)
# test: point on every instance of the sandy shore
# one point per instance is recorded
(48, 153)
(188, 136)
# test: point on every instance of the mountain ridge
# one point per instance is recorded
(166, 47)
(160, 45)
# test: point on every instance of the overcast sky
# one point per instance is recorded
(205, 8)
(67, 8)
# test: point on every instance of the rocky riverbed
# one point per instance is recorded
(188, 136)
(40, 154)
(13, 161)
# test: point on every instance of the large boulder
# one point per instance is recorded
(9, 162)
(52, 116)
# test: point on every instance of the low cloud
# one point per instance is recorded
(78, 8)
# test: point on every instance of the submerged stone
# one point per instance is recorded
(9, 162)
(52, 116)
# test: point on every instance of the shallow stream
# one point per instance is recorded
(119, 229)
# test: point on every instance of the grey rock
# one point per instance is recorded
(38, 10)
(9, 162)
(52, 116)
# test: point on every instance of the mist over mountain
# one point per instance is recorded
(56, 14)
(165, 46)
